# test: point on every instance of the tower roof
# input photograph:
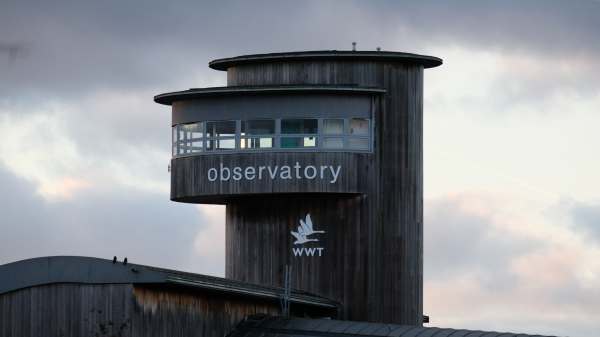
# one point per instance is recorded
(337, 55)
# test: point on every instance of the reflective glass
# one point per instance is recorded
(299, 126)
(359, 126)
(220, 144)
(256, 143)
(333, 143)
(258, 127)
(333, 126)
(298, 142)
(220, 129)
(358, 143)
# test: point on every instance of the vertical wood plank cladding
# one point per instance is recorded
(67, 310)
(160, 312)
(375, 266)
(189, 174)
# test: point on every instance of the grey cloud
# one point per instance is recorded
(79, 46)
(147, 228)
(586, 219)
(457, 242)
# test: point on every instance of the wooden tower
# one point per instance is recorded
(318, 157)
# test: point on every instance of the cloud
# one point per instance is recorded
(79, 47)
(120, 221)
(486, 268)
(586, 218)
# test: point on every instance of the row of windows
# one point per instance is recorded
(353, 134)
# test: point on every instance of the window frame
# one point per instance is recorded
(276, 138)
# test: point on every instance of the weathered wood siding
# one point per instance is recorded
(160, 312)
(124, 310)
(189, 181)
(67, 310)
(378, 271)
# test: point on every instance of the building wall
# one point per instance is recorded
(163, 312)
(67, 310)
(378, 272)
(123, 310)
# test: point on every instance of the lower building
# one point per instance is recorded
(82, 296)
(65, 296)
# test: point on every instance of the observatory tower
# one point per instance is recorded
(318, 157)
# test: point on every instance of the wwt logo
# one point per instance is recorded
(302, 236)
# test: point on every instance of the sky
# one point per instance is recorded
(511, 141)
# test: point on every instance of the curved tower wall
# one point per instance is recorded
(362, 199)
(373, 259)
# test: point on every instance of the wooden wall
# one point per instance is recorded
(123, 310)
(189, 180)
(67, 310)
(160, 312)
(384, 281)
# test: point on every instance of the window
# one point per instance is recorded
(257, 134)
(304, 133)
(333, 126)
(299, 126)
(187, 138)
(359, 134)
(359, 126)
(334, 134)
(220, 135)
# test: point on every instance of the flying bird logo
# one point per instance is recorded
(304, 231)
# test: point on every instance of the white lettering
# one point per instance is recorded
(330, 173)
(249, 173)
(310, 251)
(223, 170)
(298, 251)
(237, 173)
(335, 173)
(323, 168)
(273, 173)
(313, 174)
(316, 251)
(297, 167)
(285, 172)
(213, 174)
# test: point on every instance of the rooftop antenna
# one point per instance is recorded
(353, 46)
(287, 292)
(378, 48)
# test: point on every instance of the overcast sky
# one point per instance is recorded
(512, 201)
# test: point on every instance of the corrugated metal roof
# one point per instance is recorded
(89, 270)
(267, 326)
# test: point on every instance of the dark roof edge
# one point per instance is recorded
(268, 326)
(169, 97)
(342, 55)
(89, 270)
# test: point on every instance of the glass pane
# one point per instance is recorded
(225, 144)
(193, 127)
(295, 142)
(333, 126)
(258, 127)
(358, 143)
(299, 126)
(220, 129)
(256, 143)
(333, 143)
(359, 126)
